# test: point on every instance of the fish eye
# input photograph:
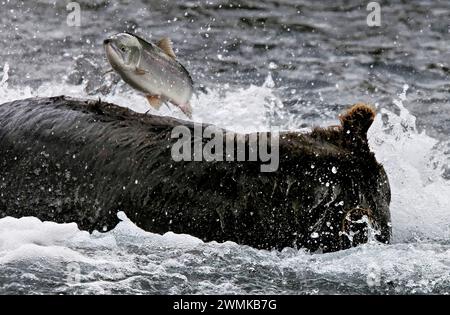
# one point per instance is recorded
(122, 48)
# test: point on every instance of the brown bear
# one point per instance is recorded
(70, 160)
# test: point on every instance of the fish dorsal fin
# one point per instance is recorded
(166, 45)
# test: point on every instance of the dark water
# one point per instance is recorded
(312, 58)
(325, 55)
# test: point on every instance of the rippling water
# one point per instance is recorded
(289, 63)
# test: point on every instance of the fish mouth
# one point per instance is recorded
(111, 45)
(112, 53)
(110, 48)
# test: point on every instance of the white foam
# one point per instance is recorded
(420, 205)
(28, 237)
(240, 109)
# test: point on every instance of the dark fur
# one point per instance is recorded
(69, 160)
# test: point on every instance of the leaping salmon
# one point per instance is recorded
(151, 69)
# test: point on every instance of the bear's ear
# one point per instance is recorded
(358, 119)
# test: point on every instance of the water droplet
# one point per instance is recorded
(273, 65)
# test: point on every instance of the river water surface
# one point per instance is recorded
(259, 64)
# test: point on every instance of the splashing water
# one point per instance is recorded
(4, 76)
(420, 196)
